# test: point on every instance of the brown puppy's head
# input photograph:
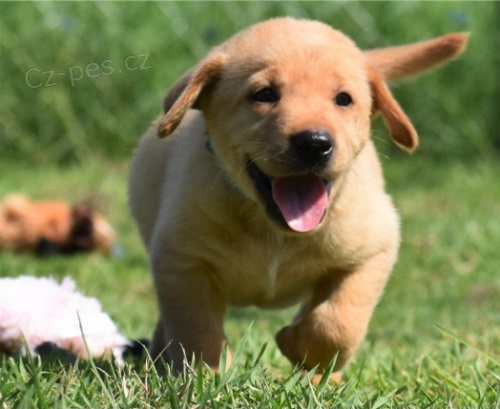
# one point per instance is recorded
(288, 105)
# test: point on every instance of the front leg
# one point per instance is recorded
(335, 319)
(191, 317)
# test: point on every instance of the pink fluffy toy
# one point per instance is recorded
(36, 311)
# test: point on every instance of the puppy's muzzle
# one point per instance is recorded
(311, 150)
(298, 200)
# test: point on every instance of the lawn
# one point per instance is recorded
(433, 340)
(80, 81)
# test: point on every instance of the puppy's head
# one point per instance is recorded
(288, 105)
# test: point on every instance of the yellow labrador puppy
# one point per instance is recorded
(268, 191)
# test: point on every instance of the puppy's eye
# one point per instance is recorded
(268, 95)
(343, 99)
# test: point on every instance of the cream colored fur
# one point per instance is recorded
(210, 241)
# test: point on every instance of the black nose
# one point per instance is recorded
(312, 147)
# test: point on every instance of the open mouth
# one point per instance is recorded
(298, 202)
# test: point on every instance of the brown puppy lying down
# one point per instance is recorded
(52, 227)
(268, 190)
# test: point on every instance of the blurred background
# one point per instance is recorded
(85, 79)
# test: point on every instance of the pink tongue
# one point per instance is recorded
(301, 199)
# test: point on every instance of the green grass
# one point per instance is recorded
(433, 340)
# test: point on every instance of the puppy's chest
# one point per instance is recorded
(269, 277)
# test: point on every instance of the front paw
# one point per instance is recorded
(287, 343)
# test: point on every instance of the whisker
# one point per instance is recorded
(247, 143)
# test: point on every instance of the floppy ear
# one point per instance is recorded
(395, 63)
(401, 129)
(186, 91)
(177, 89)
